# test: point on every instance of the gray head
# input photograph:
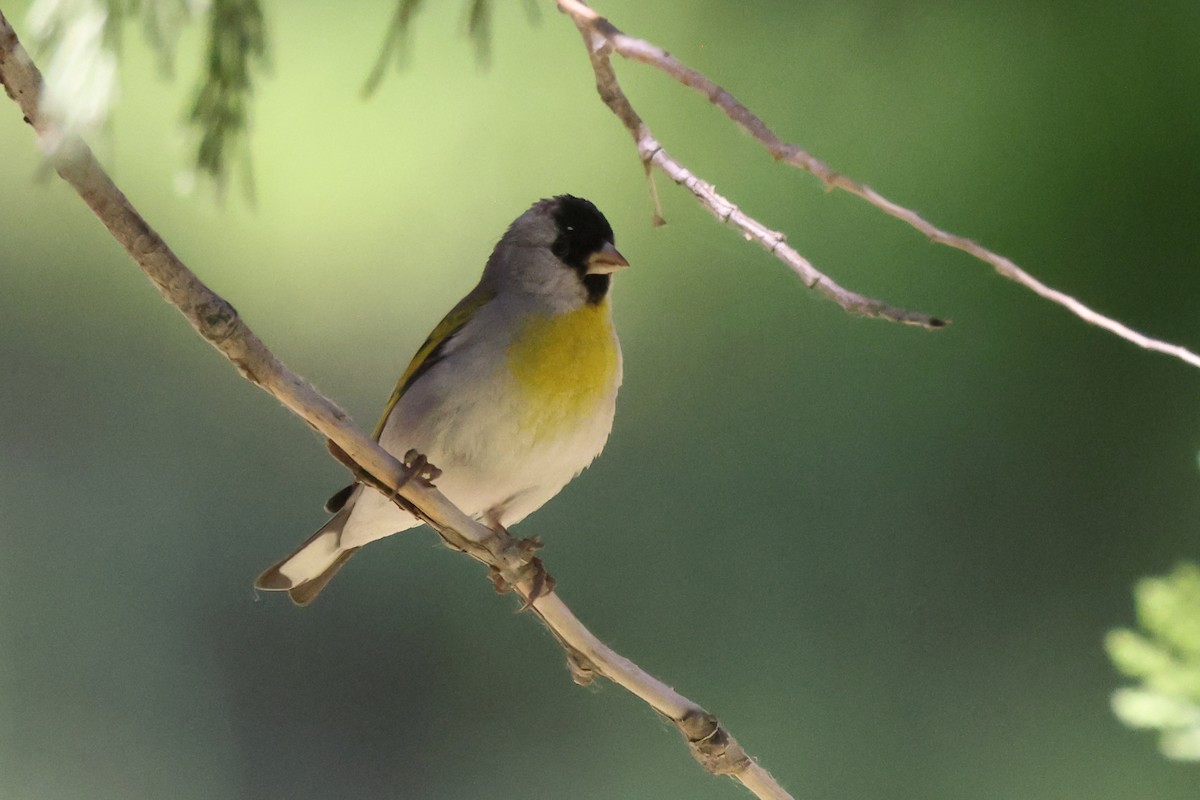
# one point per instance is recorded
(561, 247)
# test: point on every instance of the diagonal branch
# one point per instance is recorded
(219, 324)
(597, 34)
(604, 38)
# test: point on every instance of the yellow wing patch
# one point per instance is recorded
(430, 352)
(566, 365)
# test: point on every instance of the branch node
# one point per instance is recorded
(247, 372)
(583, 671)
(711, 745)
(219, 320)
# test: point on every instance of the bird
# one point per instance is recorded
(511, 396)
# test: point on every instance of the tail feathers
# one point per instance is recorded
(305, 572)
(306, 592)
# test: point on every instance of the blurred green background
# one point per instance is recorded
(885, 558)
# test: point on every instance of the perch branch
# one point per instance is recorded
(604, 38)
(221, 326)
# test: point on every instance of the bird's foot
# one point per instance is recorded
(530, 570)
(418, 467)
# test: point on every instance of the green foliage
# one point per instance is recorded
(84, 37)
(479, 28)
(236, 49)
(1165, 658)
(393, 43)
(80, 86)
(162, 23)
(478, 25)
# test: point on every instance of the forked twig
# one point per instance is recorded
(604, 38)
(597, 33)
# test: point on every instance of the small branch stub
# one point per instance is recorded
(712, 745)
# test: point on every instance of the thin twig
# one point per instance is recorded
(604, 38)
(595, 32)
(219, 324)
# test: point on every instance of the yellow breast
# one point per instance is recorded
(567, 366)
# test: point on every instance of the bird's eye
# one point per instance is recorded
(570, 229)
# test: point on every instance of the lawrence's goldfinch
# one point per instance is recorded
(511, 396)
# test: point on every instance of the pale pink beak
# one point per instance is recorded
(606, 260)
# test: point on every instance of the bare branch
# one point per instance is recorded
(603, 37)
(597, 32)
(219, 324)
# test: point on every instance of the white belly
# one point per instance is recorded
(496, 466)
